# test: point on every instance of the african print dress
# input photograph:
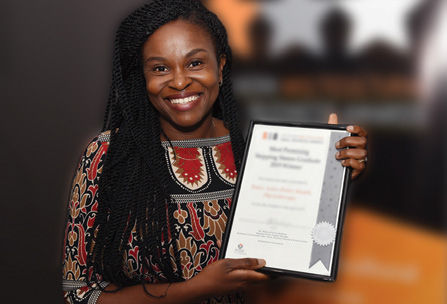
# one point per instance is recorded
(203, 177)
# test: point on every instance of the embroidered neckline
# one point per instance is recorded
(198, 142)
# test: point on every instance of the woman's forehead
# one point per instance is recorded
(179, 35)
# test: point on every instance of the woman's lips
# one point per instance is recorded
(183, 102)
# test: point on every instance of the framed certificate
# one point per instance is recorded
(289, 202)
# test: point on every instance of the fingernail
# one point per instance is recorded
(343, 162)
(337, 154)
(350, 128)
(261, 262)
(337, 144)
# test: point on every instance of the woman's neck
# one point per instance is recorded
(209, 128)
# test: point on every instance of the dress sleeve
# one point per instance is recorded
(82, 208)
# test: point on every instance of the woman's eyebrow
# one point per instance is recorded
(154, 59)
(195, 51)
(189, 54)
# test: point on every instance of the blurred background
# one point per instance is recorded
(380, 64)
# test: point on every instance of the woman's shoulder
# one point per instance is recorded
(100, 140)
(104, 137)
(93, 155)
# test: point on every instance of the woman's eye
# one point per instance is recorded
(159, 69)
(195, 63)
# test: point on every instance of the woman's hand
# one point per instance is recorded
(356, 156)
(220, 278)
(229, 276)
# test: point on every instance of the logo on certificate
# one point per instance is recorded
(240, 249)
(270, 135)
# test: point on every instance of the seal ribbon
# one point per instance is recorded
(325, 228)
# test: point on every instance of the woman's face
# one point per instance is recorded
(182, 78)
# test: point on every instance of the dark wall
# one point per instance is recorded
(55, 63)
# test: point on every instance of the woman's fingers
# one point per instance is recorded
(333, 119)
(354, 164)
(357, 130)
(243, 270)
(246, 263)
(357, 166)
(352, 150)
(230, 275)
(351, 141)
(359, 154)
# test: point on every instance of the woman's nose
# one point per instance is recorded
(180, 80)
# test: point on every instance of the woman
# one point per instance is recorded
(152, 192)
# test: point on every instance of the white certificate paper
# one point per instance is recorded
(289, 201)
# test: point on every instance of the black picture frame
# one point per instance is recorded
(332, 272)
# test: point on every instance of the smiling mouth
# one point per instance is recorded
(184, 100)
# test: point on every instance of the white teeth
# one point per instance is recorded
(184, 100)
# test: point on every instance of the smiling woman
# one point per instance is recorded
(152, 193)
(182, 79)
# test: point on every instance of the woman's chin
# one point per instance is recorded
(189, 128)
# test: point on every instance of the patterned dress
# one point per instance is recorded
(203, 177)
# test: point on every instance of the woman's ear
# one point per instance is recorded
(223, 60)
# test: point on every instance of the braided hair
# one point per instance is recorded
(132, 189)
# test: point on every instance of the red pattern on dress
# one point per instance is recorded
(189, 164)
(199, 224)
(225, 159)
